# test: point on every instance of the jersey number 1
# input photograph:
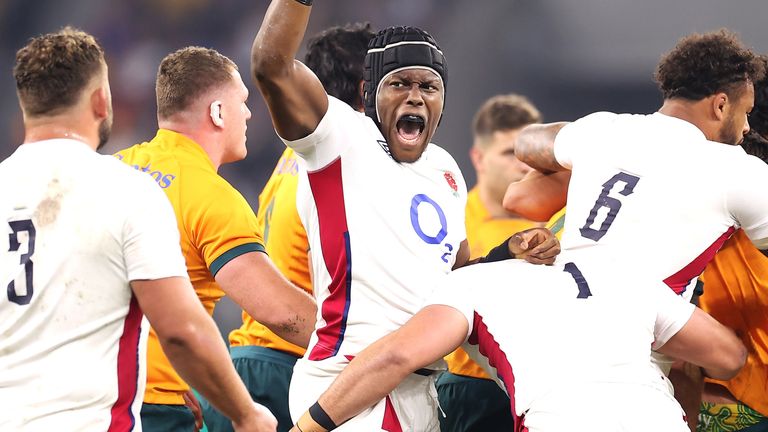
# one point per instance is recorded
(613, 205)
(17, 227)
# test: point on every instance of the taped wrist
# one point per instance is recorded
(307, 424)
(499, 253)
(319, 415)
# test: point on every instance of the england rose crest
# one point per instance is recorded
(451, 181)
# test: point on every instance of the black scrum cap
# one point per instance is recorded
(395, 48)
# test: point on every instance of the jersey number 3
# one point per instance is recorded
(25, 259)
(612, 204)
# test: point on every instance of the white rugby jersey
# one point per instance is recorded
(76, 228)
(379, 231)
(656, 195)
(563, 340)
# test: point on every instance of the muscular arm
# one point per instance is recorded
(705, 342)
(536, 146)
(295, 97)
(379, 368)
(253, 282)
(538, 196)
(191, 341)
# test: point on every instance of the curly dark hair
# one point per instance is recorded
(758, 118)
(701, 65)
(336, 56)
(53, 69)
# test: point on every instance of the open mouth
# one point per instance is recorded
(410, 127)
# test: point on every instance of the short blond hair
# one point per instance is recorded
(187, 74)
(502, 113)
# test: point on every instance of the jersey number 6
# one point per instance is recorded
(613, 205)
(19, 226)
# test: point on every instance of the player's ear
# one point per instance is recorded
(101, 97)
(476, 156)
(100, 102)
(215, 113)
(361, 93)
(719, 102)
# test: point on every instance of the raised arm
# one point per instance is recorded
(536, 146)
(254, 283)
(295, 97)
(379, 368)
(192, 342)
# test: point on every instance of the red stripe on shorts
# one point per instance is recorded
(391, 423)
(488, 347)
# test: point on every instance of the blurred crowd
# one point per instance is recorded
(137, 34)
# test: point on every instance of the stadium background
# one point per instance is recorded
(570, 57)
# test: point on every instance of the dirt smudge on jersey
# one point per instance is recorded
(48, 209)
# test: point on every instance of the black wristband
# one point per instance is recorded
(319, 415)
(499, 253)
(305, 2)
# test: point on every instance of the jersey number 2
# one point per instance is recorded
(613, 205)
(17, 227)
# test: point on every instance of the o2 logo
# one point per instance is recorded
(425, 203)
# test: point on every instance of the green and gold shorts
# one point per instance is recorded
(730, 417)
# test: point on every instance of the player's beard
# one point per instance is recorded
(730, 134)
(105, 129)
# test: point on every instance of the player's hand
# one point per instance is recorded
(535, 245)
(259, 420)
(194, 405)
